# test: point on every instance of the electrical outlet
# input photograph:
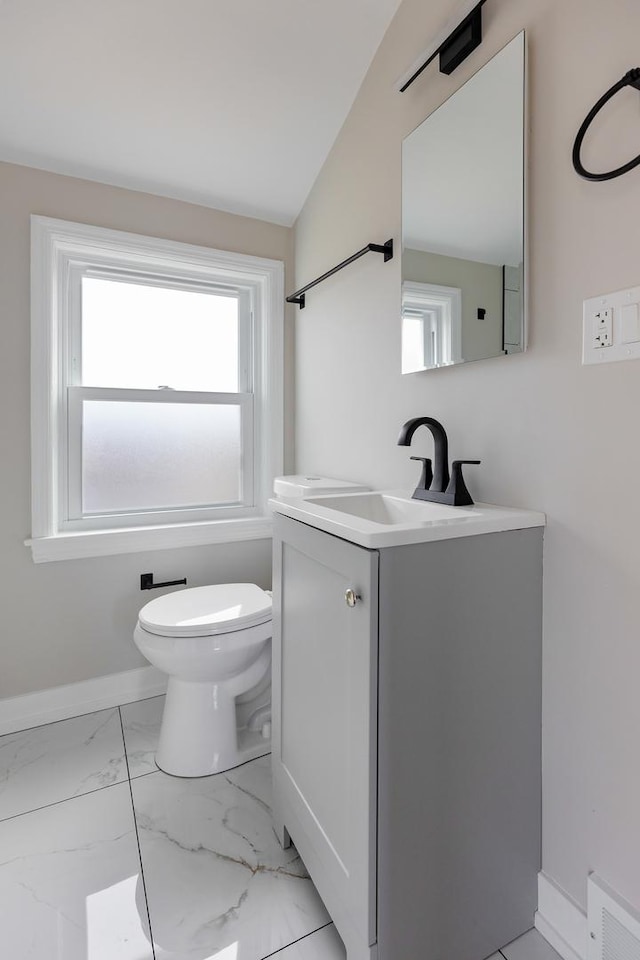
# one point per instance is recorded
(603, 328)
(611, 327)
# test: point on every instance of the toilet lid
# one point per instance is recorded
(205, 611)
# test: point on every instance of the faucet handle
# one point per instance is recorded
(457, 487)
(427, 473)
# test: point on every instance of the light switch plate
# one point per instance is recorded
(610, 327)
(630, 323)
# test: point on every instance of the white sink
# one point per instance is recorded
(391, 518)
(387, 508)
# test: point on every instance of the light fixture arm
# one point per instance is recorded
(459, 38)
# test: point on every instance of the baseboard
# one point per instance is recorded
(560, 921)
(74, 699)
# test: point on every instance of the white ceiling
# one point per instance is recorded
(462, 168)
(234, 104)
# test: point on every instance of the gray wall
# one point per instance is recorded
(551, 434)
(481, 285)
(71, 620)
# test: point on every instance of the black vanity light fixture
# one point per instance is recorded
(459, 38)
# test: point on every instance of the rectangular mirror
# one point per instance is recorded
(463, 222)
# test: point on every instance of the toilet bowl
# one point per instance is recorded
(215, 645)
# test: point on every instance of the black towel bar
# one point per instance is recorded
(385, 248)
(146, 582)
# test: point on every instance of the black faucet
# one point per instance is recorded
(435, 484)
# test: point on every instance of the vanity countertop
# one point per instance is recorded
(390, 518)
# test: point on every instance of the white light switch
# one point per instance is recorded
(629, 323)
(611, 327)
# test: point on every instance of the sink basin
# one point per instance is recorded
(389, 518)
(386, 508)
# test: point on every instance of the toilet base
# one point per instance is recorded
(251, 745)
(199, 734)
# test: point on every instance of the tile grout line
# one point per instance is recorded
(135, 827)
(77, 716)
(55, 803)
(158, 770)
(149, 773)
(293, 942)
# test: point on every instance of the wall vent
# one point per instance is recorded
(614, 925)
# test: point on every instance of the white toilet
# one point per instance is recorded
(215, 644)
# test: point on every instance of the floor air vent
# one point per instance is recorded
(614, 925)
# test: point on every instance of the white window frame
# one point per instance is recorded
(62, 252)
(440, 309)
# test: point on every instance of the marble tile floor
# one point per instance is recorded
(104, 857)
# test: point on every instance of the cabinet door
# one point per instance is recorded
(324, 707)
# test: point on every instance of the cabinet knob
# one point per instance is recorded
(351, 597)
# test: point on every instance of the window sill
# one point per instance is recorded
(105, 543)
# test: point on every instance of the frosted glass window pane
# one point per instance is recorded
(141, 456)
(142, 337)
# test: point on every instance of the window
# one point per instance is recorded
(431, 326)
(156, 392)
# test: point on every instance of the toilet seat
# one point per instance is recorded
(207, 611)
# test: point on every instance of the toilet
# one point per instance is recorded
(214, 643)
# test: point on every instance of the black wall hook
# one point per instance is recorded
(630, 79)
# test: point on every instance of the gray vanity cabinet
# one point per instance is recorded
(324, 717)
(406, 748)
